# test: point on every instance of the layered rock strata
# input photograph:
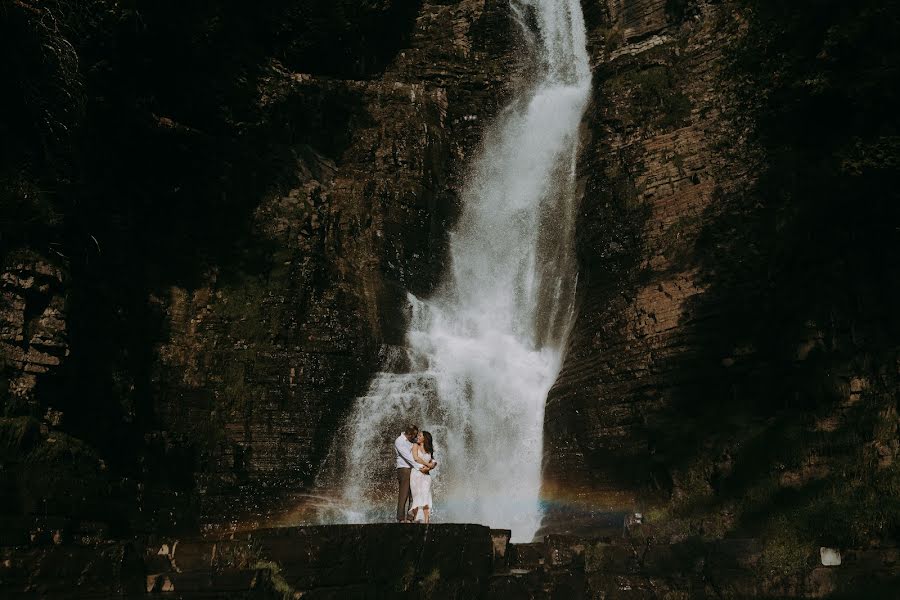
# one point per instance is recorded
(724, 375)
(652, 167)
(271, 359)
(207, 355)
(205, 267)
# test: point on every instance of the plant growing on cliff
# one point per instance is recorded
(785, 553)
(18, 435)
(654, 96)
(677, 9)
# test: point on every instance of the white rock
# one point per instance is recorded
(830, 556)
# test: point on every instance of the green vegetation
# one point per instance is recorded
(784, 553)
(796, 488)
(430, 582)
(18, 436)
(676, 9)
(60, 448)
(653, 96)
(54, 473)
(276, 580)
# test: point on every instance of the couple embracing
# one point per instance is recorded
(414, 453)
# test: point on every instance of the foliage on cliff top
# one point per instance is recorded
(21, 440)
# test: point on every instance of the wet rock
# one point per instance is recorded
(528, 557)
(679, 395)
(33, 332)
(564, 550)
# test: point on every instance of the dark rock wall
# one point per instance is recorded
(207, 250)
(650, 169)
(733, 369)
(209, 216)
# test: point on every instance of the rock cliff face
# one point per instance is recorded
(733, 368)
(209, 222)
(652, 167)
(229, 263)
(436, 561)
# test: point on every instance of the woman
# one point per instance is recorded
(420, 481)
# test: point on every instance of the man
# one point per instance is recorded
(405, 464)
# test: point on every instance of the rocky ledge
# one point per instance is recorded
(434, 561)
(335, 561)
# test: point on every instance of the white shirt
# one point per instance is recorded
(403, 454)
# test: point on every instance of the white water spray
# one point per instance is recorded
(486, 348)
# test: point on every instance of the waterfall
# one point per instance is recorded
(484, 350)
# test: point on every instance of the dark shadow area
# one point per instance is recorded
(781, 408)
(135, 149)
(609, 246)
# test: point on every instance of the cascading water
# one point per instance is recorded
(485, 349)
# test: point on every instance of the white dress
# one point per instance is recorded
(420, 485)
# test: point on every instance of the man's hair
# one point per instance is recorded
(411, 430)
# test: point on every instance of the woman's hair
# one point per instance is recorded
(429, 444)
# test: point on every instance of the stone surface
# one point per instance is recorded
(209, 222)
(715, 373)
(389, 560)
(409, 561)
